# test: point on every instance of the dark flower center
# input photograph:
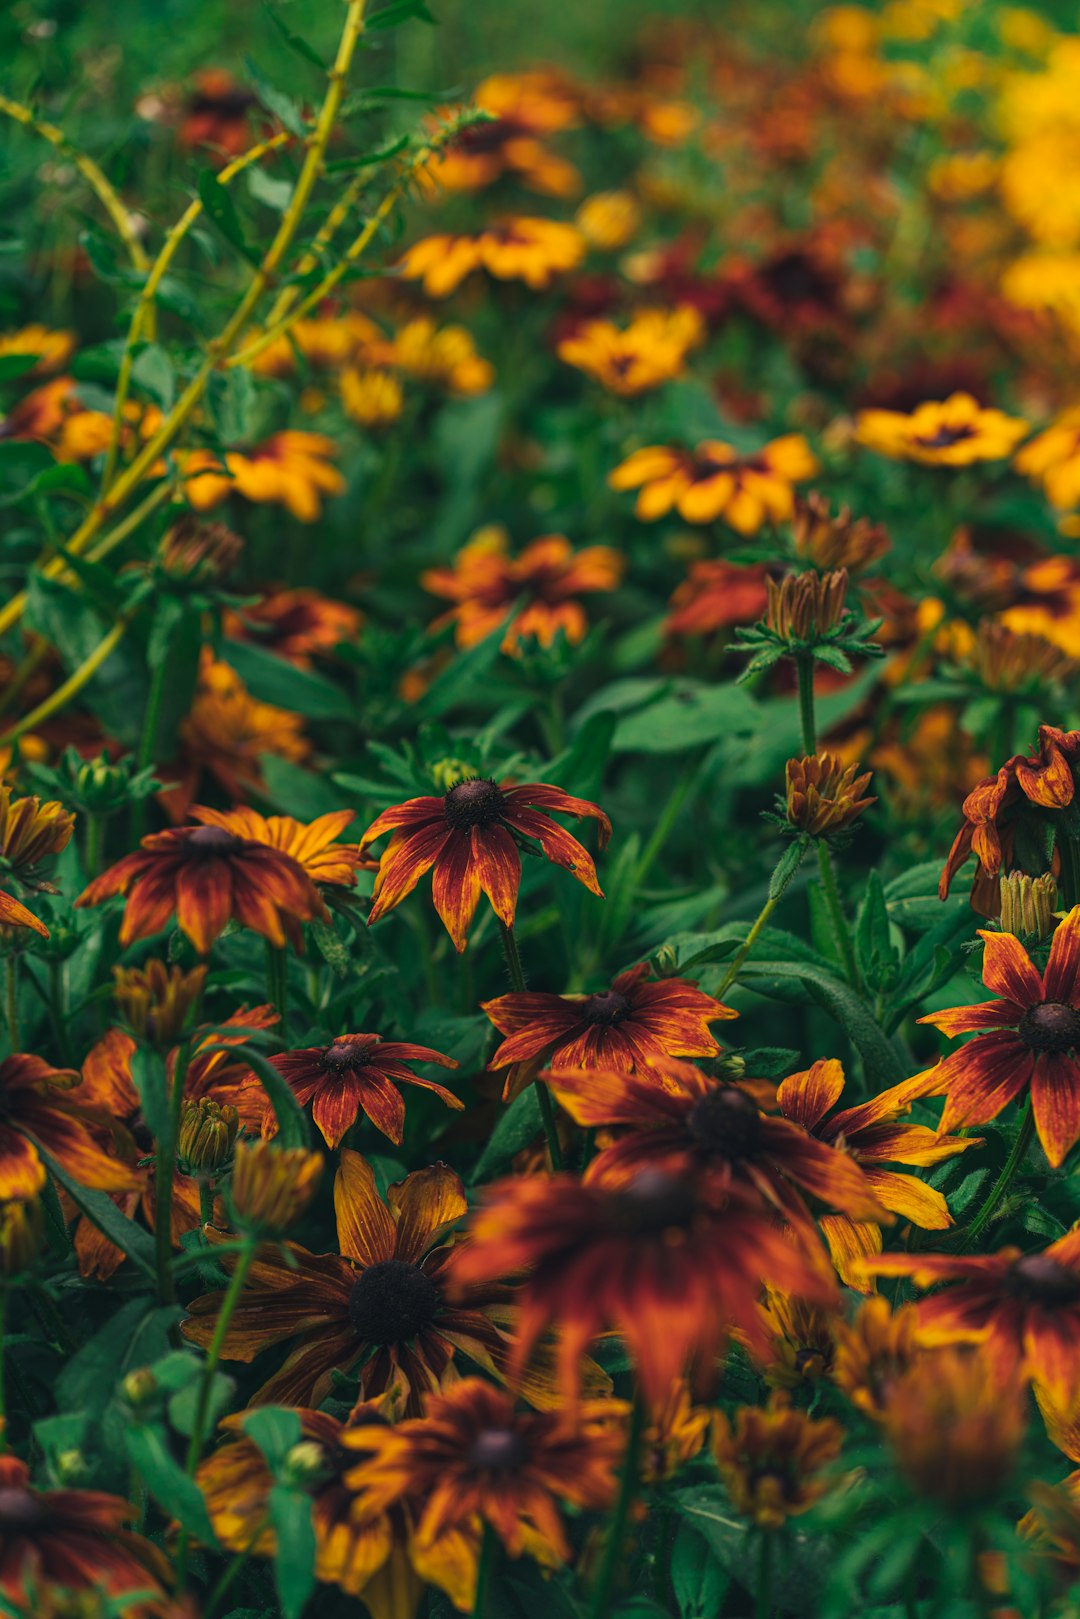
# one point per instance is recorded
(1051, 1026)
(607, 1009)
(725, 1121)
(392, 1301)
(346, 1054)
(207, 841)
(654, 1202)
(20, 1510)
(1044, 1280)
(473, 803)
(945, 436)
(497, 1450)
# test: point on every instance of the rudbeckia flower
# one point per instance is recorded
(672, 1262)
(207, 875)
(357, 1073)
(470, 838)
(474, 1455)
(634, 359)
(40, 1114)
(716, 481)
(524, 109)
(226, 733)
(291, 469)
(716, 594)
(1032, 1041)
(955, 432)
(772, 1460)
(485, 582)
(296, 624)
(519, 249)
(1052, 459)
(638, 1020)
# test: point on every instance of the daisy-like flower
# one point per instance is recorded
(673, 1118)
(42, 1110)
(1032, 1039)
(716, 481)
(312, 844)
(1023, 1308)
(872, 1351)
(226, 734)
(634, 359)
(638, 1020)
(524, 110)
(772, 1460)
(439, 356)
(31, 834)
(486, 581)
(714, 595)
(823, 795)
(474, 1455)
(381, 1307)
(1052, 460)
(291, 469)
(156, 1001)
(357, 1073)
(49, 349)
(207, 875)
(372, 397)
(531, 250)
(802, 1341)
(470, 836)
(955, 432)
(296, 624)
(672, 1262)
(76, 1542)
(873, 1133)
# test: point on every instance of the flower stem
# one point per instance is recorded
(764, 1579)
(206, 1381)
(148, 739)
(628, 1485)
(277, 982)
(1004, 1180)
(206, 1202)
(747, 945)
(804, 666)
(12, 1000)
(95, 841)
(836, 912)
(543, 1095)
(485, 1563)
(3, 1329)
(164, 1174)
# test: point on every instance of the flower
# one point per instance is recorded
(226, 733)
(1034, 1032)
(609, 219)
(207, 875)
(638, 1020)
(311, 844)
(873, 1133)
(156, 1001)
(831, 541)
(372, 397)
(1052, 460)
(802, 1341)
(1023, 1309)
(290, 469)
(955, 432)
(381, 1307)
(40, 1115)
(76, 1541)
(271, 1187)
(824, 797)
(675, 1434)
(771, 1460)
(357, 1073)
(803, 606)
(671, 1262)
(49, 349)
(1028, 905)
(523, 109)
(206, 1137)
(715, 594)
(216, 113)
(873, 1351)
(474, 1455)
(440, 356)
(518, 249)
(31, 833)
(716, 481)
(1010, 661)
(486, 582)
(21, 1230)
(634, 359)
(192, 552)
(469, 837)
(954, 1427)
(296, 624)
(13, 914)
(673, 1118)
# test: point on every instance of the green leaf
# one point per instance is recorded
(178, 1495)
(275, 1429)
(877, 955)
(399, 11)
(294, 41)
(102, 1212)
(292, 1125)
(273, 680)
(136, 1335)
(15, 365)
(282, 106)
(294, 1559)
(699, 1581)
(459, 679)
(520, 1124)
(153, 372)
(802, 982)
(22, 461)
(184, 1404)
(271, 193)
(150, 1080)
(331, 946)
(689, 715)
(221, 209)
(787, 866)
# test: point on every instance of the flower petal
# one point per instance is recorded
(1060, 978)
(365, 1225)
(806, 1098)
(1008, 970)
(1055, 1100)
(425, 1201)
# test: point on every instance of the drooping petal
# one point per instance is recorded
(560, 847)
(1060, 978)
(984, 1076)
(336, 1101)
(405, 860)
(415, 813)
(498, 866)
(911, 1199)
(455, 887)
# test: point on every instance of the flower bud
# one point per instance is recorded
(272, 1186)
(207, 1136)
(304, 1464)
(32, 832)
(822, 796)
(1007, 661)
(20, 1235)
(69, 1467)
(450, 773)
(201, 553)
(140, 1387)
(100, 785)
(804, 606)
(835, 541)
(156, 1001)
(1027, 906)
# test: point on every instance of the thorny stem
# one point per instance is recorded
(604, 1588)
(164, 1173)
(1004, 1180)
(543, 1095)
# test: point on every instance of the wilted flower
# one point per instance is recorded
(831, 540)
(823, 795)
(772, 1460)
(272, 1186)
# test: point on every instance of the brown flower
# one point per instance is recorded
(824, 796)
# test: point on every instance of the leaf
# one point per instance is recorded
(275, 1429)
(151, 1081)
(154, 374)
(102, 1212)
(276, 101)
(877, 955)
(787, 866)
(294, 1559)
(184, 1404)
(295, 791)
(803, 981)
(699, 1581)
(137, 1335)
(271, 193)
(178, 1495)
(400, 11)
(221, 209)
(21, 462)
(690, 715)
(273, 680)
(292, 1125)
(520, 1124)
(455, 683)
(294, 41)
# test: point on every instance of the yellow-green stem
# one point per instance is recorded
(73, 685)
(747, 945)
(221, 1328)
(164, 1175)
(12, 999)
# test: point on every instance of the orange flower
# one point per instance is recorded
(473, 1455)
(357, 1073)
(637, 358)
(638, 1020)
(310, 843)
(716, 594)
(216, 113)
(40, 1115)
(15, 915)
(715, 481)
(485, 583)
(673, 1263)
(52, 349)
(470, 838)
(207, 875)
(226, 733)
(822, 797)
(955, 432)
(290, 469)
(873, 1134)
(524, 109)
(771, 1460)
(75, 1542)
(835, 540)
(529, 250)
(1052, 459)
(296, 624)
(382, 1306)
(1033, 1040)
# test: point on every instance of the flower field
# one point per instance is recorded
(539, 827)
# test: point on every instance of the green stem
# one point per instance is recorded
(206, 1381)
(547, 1107)
(747, 945)
(277, 983)
(764, 1579)
(604, 1589)
(148, 739)
(238, 1564)
(164, 1173)
(804, 665)
(1004, 1180)
(206, 1202)
(836, 913)
(95, 842)
(668, 816)
(488, 1548)
(12, 1000)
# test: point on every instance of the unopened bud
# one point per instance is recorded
(802, 607)
(835, 540)
(139, 1387)
(207, 1136)
(69, 1467)
(272, 1186)
(448, 773)
(200, 553)
(823, 796)
(304, 1464)
(1028, 905)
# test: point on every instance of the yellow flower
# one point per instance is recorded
(954, 432)
(771, 1460)
(609, 219)
(31, 832)
(272, 1186)
(372, 398)
(1052, 458)
(53, 349)
(714, 481)
(518, 249)
(156, 1001)
(634, 359)
(441, 355)
(290, 469)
